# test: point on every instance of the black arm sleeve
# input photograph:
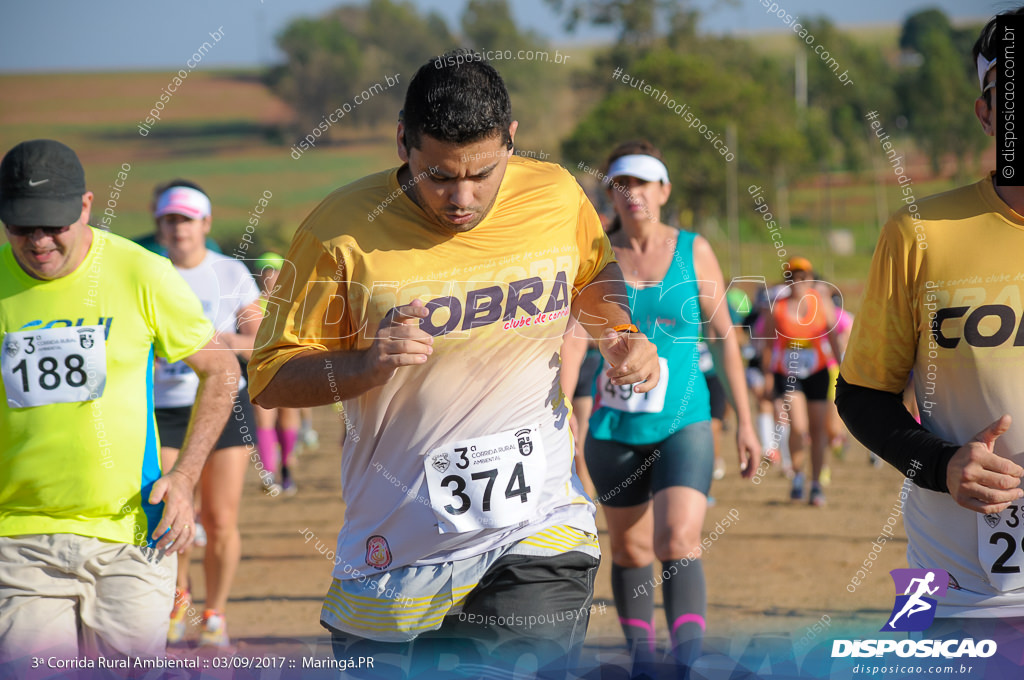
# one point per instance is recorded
(880, 422)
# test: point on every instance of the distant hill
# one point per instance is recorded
(221, 129)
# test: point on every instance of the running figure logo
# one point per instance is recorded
(914, 610)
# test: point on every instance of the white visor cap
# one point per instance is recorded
(984, 65)
(641, 166)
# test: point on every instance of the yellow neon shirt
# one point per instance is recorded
(87, 467)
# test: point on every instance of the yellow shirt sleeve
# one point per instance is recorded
(884, 341)
(594, 248)
(307, 311)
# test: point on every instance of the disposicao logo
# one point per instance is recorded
(914, 611)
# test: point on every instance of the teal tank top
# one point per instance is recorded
(668, 314)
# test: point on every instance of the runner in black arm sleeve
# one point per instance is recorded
(883, 425)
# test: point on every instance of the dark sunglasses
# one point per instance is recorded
(28, 231)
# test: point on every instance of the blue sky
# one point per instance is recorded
(69, 35)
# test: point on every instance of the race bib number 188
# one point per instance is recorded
(1001, 547)
(488, 482)
(54, 365)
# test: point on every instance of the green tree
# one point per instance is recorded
(534, 84)
(322, 67)
(489, 24)
(720, 80)
(637, 20)
(715, 92)
(937, 95)
(919, 26)
(840, 105)
(396, 38)
(331, 59)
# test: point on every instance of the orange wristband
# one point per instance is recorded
(626, 328)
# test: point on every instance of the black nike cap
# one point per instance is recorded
(41, 185)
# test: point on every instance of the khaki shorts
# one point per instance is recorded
(69, 595)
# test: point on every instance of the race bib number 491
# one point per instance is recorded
(623, 398)
(488, 482)
(54, 365)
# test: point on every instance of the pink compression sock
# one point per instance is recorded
(266, 443)
(288, 439)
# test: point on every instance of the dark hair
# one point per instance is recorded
(630, 148)
(985, 45)
(456, 98)
(164, 186)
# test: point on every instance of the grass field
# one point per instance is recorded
(219, 129)
(225, 130)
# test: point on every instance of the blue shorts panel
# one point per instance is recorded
(626, 475)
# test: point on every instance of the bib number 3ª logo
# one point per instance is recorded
(54, 365)
(488, 482)
(1001, 547)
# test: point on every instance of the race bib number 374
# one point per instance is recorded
(488, 482)
(54, 365)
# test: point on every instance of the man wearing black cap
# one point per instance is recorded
(87, 520)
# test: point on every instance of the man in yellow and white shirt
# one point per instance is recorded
(431, 299)
(944, 299)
